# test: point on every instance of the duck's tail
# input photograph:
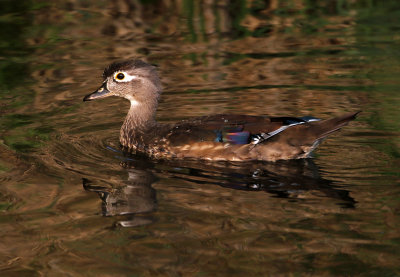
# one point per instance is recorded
(300, 140)
(321, 129)
(308, 133)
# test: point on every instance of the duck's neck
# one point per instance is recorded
(139, 120)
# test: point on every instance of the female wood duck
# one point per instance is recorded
(222, 137)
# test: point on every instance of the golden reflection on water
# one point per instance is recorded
(66, 190)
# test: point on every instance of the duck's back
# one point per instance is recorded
(241, 137)
(233, 129)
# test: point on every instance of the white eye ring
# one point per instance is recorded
(122, 76)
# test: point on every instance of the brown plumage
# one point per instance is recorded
(216, 137)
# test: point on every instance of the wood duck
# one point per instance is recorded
(222, 137)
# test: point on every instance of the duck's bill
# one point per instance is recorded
(100, 93)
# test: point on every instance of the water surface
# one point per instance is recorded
(73, 204)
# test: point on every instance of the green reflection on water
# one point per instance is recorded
(378, 43)
(14, 20)
(20, 136)
(188, 9)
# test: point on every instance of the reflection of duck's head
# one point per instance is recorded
(216, 137)
(132, 196)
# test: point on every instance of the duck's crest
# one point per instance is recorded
(124, 65)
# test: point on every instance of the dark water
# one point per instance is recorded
(71, 204)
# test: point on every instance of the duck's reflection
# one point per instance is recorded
(287, 179)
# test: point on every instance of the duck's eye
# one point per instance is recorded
(120, 76)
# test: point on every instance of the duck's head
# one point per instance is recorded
(134, 80)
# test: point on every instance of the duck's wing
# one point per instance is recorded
(233, 129)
